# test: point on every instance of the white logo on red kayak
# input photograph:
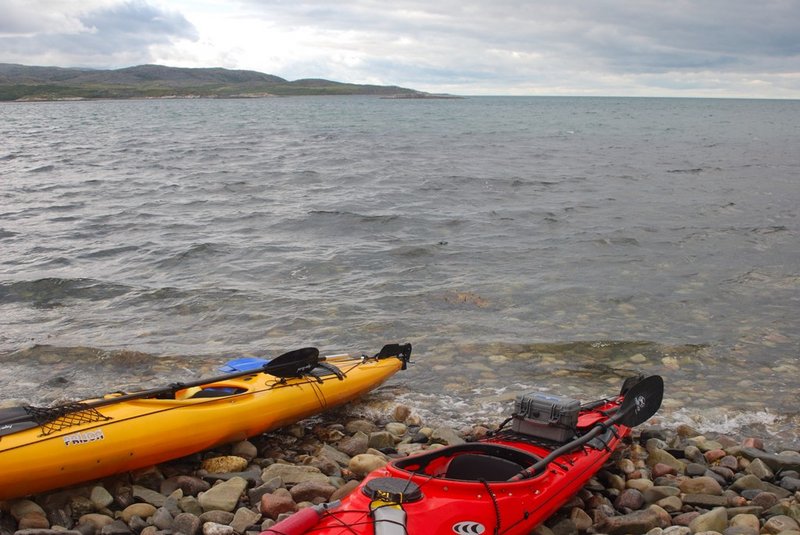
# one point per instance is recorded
(468, 528)
(84, 438)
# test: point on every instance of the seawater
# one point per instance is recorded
(555, 244)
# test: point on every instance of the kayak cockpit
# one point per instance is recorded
(470, 462)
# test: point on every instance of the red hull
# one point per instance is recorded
(449, 502)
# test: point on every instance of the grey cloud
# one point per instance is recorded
(123, 30)
(616, 35)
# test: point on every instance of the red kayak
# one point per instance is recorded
(506, 484)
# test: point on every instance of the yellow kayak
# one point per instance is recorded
(43, 449)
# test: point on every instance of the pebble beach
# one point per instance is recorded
(663, 481)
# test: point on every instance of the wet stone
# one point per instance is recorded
(186, 523)
(162, 519)
(243, 519)
(100, 497)
(277, 503)
(217, 517)
(780, 523)
(149, 496)
(355, 444)
(224, 496)
(792, 484)
(714, 520)
(245, 449)
(701, 485)
(142, 510)
(224, 464)
(117, 527)
(446, 436)
(764, 500)
(360, 426)
(189, 485)
(212, 528)
(381, 439)
(630, 499)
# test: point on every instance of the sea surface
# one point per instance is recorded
(520, 244)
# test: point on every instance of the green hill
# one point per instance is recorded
(21, 82)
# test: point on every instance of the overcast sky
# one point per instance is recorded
(724, 48)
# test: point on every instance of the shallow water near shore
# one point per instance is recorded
(520, 244)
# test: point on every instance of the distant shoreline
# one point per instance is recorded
(21, 83)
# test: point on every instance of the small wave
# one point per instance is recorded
(198, 251)
(6, 233)
(693, 171)
(42, 169)
(359, 217)
(46, 293)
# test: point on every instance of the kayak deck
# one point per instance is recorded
(89, 444)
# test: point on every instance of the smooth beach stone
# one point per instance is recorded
(96, 520)
(639, 484)
(212, 528)
(701, 485)
(150, 496)
(396, 428)
(186, 523)
(275, 504)
(580, 519)
(714, 520)
(142, 510)
(746, 520)
(117, 527)
(189, 504)
(671, 504)
(19, 508)
(244, 449)
(243, 519)
(381, 439)
(656, 493)
(780, 523)
(446, 436)
(365, 463)
(344, 490)
(705, 501)
(401, 413)
(100, 497)
(759, 469)
(33, 520)
(748, 482)
(292, 475)
(640, 521)
(224, 464)
(360, 426)
(355, 444)
(329, 452)
(629, 499)
(223, 496)
(308, 491)
(162, 519)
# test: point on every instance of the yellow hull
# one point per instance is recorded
(143, 432)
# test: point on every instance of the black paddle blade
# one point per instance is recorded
(641, 402)
(10, 429)
(394, 350)
(294, 363)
